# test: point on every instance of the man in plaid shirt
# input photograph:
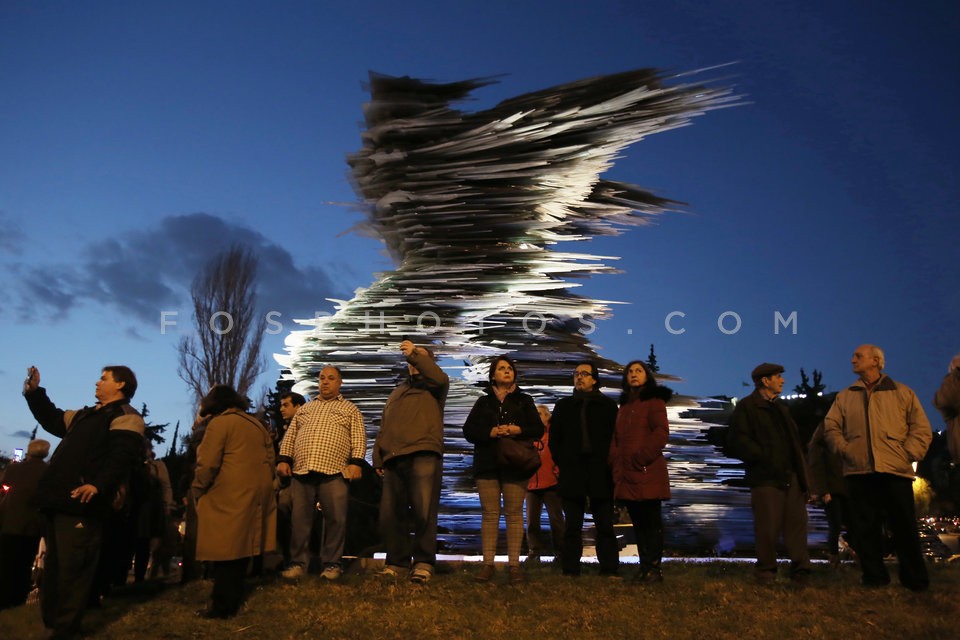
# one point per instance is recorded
(322, 449)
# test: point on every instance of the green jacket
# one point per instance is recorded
(882, 432)
(413, 414)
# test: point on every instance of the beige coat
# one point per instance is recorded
(884, 433)
(234, 489)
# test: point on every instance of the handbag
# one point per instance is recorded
(518, 455)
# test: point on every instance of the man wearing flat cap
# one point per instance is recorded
(765, 437)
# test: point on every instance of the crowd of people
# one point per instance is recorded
(252, 493)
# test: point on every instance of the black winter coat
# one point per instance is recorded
(583, 473)
(517, 408)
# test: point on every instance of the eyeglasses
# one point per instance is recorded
(582, 374)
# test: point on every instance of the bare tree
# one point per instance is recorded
(229, 333)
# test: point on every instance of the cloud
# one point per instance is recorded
(144, 272)
(11, 237)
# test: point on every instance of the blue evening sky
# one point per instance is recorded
(139, 138)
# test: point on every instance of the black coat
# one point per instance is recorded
(517, 408)
(765, 437)
(583, 473)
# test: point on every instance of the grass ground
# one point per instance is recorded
(715, 600)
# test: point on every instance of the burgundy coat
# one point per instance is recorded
(636, 452)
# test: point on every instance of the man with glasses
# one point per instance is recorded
(581, 430)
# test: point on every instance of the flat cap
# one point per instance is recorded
(765, 370)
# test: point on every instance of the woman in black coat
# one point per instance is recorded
(505, 412)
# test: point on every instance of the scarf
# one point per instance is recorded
(585, 397)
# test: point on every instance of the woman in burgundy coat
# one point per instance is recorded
(639, 468)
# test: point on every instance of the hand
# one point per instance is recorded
(352, 472)
(407, 348)
(84, 492)
(284, 470)
(827, 498)
(33, 380)
(379, 471)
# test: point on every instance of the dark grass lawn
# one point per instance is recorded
(696, 600)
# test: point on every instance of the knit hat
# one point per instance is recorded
(38, 449)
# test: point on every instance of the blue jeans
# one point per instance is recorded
(410, 500)
(331, 492)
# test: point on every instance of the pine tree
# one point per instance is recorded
(652, 361)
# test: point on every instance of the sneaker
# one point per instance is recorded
(388, 572)
(294, 572)
(332, 572)
(420, 576)
(516, 575)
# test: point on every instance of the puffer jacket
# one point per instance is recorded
(881, 432)
(636, 452)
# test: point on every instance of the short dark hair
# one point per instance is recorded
(220, 398)
(594, 372)
(493, 367)
(295, 398)
(125, 375)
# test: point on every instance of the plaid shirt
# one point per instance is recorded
(324, 436)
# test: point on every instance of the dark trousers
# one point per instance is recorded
(228, 586)
(839, 515)
(535, 503)
(647, 519)
(779, 512)
(17, 554)
(69, 567)
(607, 553)
(411, 499)
(879, 497)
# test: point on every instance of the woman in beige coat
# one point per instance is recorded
(234, 490)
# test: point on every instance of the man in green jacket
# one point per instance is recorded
(408, 453)
(879, 428)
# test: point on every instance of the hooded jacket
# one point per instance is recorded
(412, 418)
(881, 432)
(636, 452)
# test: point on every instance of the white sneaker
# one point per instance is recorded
(294, 572)
(332, 572)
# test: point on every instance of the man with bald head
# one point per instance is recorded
(880, 430)
(322, 449)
